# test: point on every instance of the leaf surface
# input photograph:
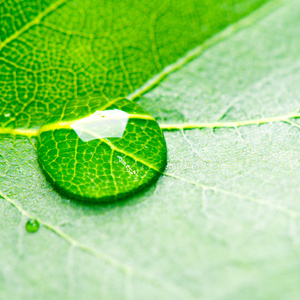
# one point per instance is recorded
(222, 223)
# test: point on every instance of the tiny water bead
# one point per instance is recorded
(32, 225)
(97, 149)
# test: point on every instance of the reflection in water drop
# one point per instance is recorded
(32, 225)
(101, 150)
(101, 124)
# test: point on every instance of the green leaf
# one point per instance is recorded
(222, 221)
(54, 51)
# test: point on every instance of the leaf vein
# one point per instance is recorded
(125, 268)
(35, 21)
(192, 54)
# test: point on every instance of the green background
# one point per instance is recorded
(223, 223)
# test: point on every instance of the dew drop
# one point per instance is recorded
(101, 150)
(32, 225)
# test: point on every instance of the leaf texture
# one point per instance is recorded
(223, 220)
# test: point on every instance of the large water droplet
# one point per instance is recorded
(97, 149)
(32, 225)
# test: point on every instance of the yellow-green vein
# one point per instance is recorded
(192, 54)
(35, 21)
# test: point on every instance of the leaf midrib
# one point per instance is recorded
(68, 124)
(181, 126)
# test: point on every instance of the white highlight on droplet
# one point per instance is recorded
(101, 124)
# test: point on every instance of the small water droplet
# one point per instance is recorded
(101, 150)
(32, 225)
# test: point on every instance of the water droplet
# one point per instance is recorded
(95, 127)
(101, 150)
(32, 225)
